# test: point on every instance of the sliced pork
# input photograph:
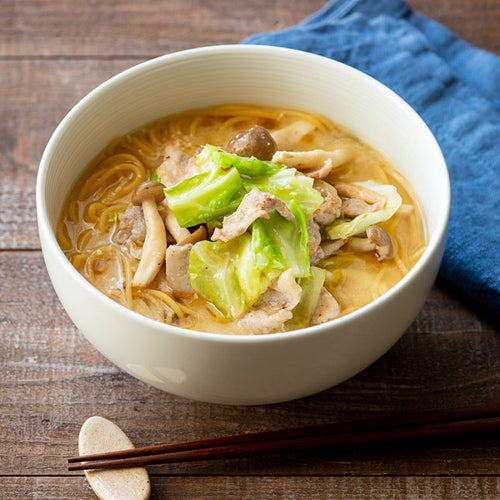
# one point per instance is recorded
(177, 269)
(274, 307)
(289, 137)
(177, 166)
(132, 226)
(325, 250)
(331, 207)
(255, 204)
(327, 309)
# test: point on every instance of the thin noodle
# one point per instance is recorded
(167, 299)
(127, 276)
(83, 239)
(155, 304)
(112, 147)
(156, 136)
(214, 311)
(113, 167)
(400, 264)
(62, 236)
(195, 125)
(93, 211)
(78, 260)
(72, 211)
(109, 214)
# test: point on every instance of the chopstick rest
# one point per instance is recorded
(99, 435)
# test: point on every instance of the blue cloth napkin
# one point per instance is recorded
(455, 88)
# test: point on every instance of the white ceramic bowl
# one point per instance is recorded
(243, 369)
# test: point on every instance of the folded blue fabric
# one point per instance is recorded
(455, 88)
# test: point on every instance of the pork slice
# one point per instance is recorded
(284, 293)
(290, 136)
(326, 309)
(132, 226)
(255, 204)
(352, 207)
(177, 269)
(331, 207)
(326, 249)
(258, 321)
(274, 307)
(314, 236)
(177, 166)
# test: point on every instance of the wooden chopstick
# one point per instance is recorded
(425, 424)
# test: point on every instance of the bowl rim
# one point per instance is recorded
(48, 235)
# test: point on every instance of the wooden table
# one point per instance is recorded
(52, 52)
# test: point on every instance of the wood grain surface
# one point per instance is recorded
(53, 52)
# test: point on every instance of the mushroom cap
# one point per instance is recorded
(149, 189)
(382, 241)
(256, 142)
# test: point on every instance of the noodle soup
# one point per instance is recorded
(272, 220)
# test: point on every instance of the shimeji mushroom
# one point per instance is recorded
(148, 194)
(179, 233)
(316, 164)
(384, 247)
(377, 240)
(358, 200)
(256, 142)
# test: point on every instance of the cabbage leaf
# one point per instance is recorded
(288, 185)
(280, 244)
(285, 183)
(212, 156)
(311, 290)
(224, 273)
(206, 196)
(344, 228)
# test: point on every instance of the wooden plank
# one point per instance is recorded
(283, 488)
(67, 28)
(476, 23)
(34, 97)
(53, 28)
(52, 380)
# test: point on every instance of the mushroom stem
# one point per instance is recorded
(377, 240)
(316, 164)
(361, 244)
(384, 245)
(194, 237)
(178, 233)
(155, 245)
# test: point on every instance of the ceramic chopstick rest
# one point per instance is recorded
(99, 435)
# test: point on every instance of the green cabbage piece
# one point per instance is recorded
(232, 275)
(344, 228)
(211, 156)
(279, 244)
(153, 176)
(288, 185)
(285, 183)
(206, 196)
(224, 273)
(311, 290)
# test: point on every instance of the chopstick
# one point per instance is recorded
(382, 429)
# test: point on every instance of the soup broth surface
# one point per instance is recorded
(93, 212)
